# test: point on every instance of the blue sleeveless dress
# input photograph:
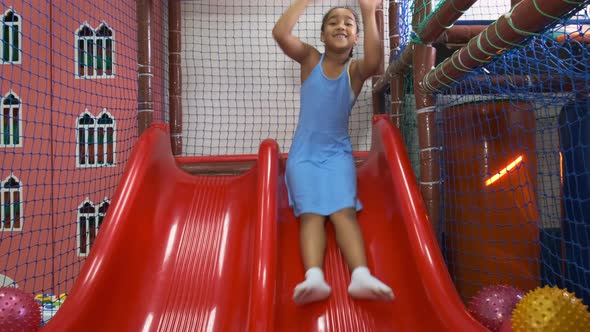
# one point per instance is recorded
(320, 171)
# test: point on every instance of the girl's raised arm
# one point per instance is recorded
(372, 58)
(282, 33)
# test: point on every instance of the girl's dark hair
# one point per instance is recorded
(356, 16)
(354, 13)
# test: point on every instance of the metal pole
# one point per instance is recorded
(424, 57)
(145, 104)
(396, 83)
(440, 21)
(175, 75)
(378, 96)
(526, 18)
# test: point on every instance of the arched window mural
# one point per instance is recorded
(87, 226)
(105, 139)
(89, 220)
(104, 51)
(96, 140)
(85, 139)
(102, 210)
(10, 48)
(10, 131)
(85, 50)
(11, 205)
(95, 51)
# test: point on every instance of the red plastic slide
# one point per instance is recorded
(180, 252)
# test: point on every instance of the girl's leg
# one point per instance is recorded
(349, 237)
(312, 237)
(312, 240)
(350, 241)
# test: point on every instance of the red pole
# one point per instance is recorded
(145, 103)
(378, 95)
(428, 32)
(447, 14)
(175, 75)
(459, 35)
(526, 18)
(399, 67)
(424, 58)
(396, 84)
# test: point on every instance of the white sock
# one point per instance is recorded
(313, 288)
(364, 286)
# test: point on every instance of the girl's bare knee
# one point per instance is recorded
(347, 214)
(311, 216)
(311, 219)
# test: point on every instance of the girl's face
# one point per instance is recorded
(340, 30)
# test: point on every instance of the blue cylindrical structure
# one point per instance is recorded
(574, 138)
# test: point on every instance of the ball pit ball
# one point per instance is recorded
(550, 309)
(19, 312)
(506, 325)
(492, 305)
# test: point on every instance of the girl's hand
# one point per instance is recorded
(370, 4)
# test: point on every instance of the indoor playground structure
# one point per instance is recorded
(143, 148)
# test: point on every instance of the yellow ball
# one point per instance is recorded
(550, 309)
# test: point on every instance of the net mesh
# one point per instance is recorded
(514, 150)
(238, 86)
(70, 103)
(68, 96)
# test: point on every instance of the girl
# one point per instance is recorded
(320, 171)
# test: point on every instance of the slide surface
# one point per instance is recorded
(182, 252)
